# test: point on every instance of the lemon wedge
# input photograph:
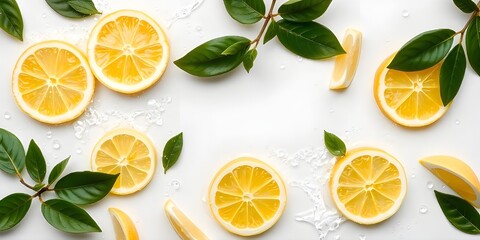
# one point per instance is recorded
(346, 64)
(185, 228)
(123, 225)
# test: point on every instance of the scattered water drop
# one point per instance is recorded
(204, 199)
(430, 185)
(405, 14)
(152, 102)
(198, 28)
(166, 194)
(299, 59)
(337, 237)
(7, 116)
(362, 237)
(457, 122)
(331, 110)
(423, 209)
(44, 15)
(175, 184)
(95, 19)
(56, 144)
(49, 134)
(413, 175)
(79, 151)
(282, 67)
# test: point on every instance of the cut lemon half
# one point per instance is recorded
(52, 82)
(185, 228)
(247, 196)
(346, 64)
(368, 185)
(128, 152)
(457, 175)
(123, 225)
(128, 51)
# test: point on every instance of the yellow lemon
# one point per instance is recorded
(346, 64)
(185, 228)
(123, 225)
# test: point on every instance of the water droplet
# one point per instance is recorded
(413, 175)
(7, 116)
(152, 102)
(95, 19)
(204, 199)
(44, 15)
(423, 209)
(362, 237)
(405, 13)
(49, 134)
(282, 67)
(166, 195)
(457, 122)
(198, 28)
(337, 237)
(331, 110)
(56, 144)
(79, 151)
(175, 184)
(430, 185)
(299, 59)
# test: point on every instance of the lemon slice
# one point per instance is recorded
(128, 152)
(52, 82)
(185, 229)
(368, 185)
(457, 175)
(411, 99)
(123, 225)
(247, 196)
(346, 64)
(128, 51)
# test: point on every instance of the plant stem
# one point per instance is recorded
(24, 183)
(39, 193)
(472, 17)
(269, 16)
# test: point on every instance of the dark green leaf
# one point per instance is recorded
(172, 151)
(303, 10)
(207, 60)
(35, 163)
(467, 6)
(423, 51)
(12, 154)
(245, 11)
(68, 217)
(84, 6)
(249, 58)
(11, 20)
(271, 31)
(459, 213)
(310, 39)
(472, 40)
(236, 48)
(38, 186)
(334, 144)
(13, 209)
(452, 73)
(57, 170)
(63, 8)
(85, 187)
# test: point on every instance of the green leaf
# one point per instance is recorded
(452, 73)
(245, 11)
(467, 6)
(271, 31)
(12, 154)
(303, 10)
(63, 8)
(13, 209)
(310, 39)
(11, 20)
(84, 6)
(172, 151)
(68, 217)
(249, 58)
(85, 187)
(57, 170)
(459, 213)
(472, 41)
(35, 162)
(334, 144)
(207, 60)
(423, 51)
(38, 186)
(236, 48)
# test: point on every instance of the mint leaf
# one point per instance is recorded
(11, 20)
(35, 162)
(13, 209)
(459, 213)
(245, 11)
(57, 170)
(249, 58)
(271, 31)
(12, 154)
(171, 151)
(423, 51)
(84, 6)
(467, 6)
(472, 41)
(334, 144)
(303, 10)
(452, 73)
(68, 217)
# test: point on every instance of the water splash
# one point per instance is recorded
(184, 12)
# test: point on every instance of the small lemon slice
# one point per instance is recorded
(346, 64)
(185, 228)
(457, 175)
(123, 225)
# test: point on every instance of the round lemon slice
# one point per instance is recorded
(52, 82)
(123, 225)
(368, 185)
(457, 175)
(185, 228)
(346, 64)
(128, 152)
(128, 51)
(247, 196)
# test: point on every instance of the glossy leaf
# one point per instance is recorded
(249, 58)
(35, 163)
(467, 6)
(423, 51)
(85, 187)
(207, 60)
(303, 10)
(271, 31)
(83, 6)
(452, 73)
(68, 217)
(38, 186)
(334, 144)
(459, 213)
(57, 170)
(245, 11)
(11, 20)
(236, 48)
(472, 41)
(12, 154)
(63, 8)
(171, 151)
(13, 209)
(310, 39)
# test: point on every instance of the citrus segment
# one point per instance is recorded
(346, 64)
(123, 225)
(184, 227)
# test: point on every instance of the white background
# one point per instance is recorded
(240, 113)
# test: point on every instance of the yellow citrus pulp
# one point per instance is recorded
(247, 196)
(368, 185)
(185, 228)
(411, 99)
(128, 51)
(123, 225)
(52, 82)
(346, 64)
(128, 152)
(457, 175)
